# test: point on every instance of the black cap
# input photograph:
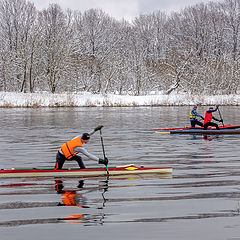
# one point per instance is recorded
(85, 136)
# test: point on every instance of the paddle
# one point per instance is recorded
(103, 149)
(220, 116)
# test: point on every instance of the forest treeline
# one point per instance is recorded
(196, 50)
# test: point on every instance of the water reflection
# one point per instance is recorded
(75, 198)
(70, 198)
(206, 137)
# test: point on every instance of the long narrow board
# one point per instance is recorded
(198, 128)
(88, 172)
(201, 131)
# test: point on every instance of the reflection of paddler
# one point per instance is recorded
(74, 219)
(69, 198)
(59, 186)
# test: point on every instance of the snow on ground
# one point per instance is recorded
(84, 99)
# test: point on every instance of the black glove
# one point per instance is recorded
(217, 106)
(220, 120)
(98, 128)
(103, 161)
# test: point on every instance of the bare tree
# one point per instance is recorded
(58, 45)
(18, 36)
(231, 10)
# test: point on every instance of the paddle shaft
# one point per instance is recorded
(102, 144)
(220, 116)
(103, 149)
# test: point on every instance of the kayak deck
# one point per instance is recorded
(201, 131)
(227, 129)
(76, 172)
(199, 128)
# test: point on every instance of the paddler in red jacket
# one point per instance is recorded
(208, 118)
(69, 151)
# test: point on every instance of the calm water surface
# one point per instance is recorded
(200, 201)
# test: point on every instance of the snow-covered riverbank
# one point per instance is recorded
(12, 99)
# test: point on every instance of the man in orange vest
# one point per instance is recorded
(70, 149)
(208, 118)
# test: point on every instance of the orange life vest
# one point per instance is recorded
(208, 117)
(68, 147)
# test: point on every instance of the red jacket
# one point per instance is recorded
(208, 117)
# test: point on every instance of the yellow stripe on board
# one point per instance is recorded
(131, 168)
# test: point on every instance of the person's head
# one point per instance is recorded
(85, 137)
(195, 107)
(210, 108)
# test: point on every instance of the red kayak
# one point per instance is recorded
(187, 128)
(76, 172)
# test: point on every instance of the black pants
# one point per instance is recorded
(208, 124)
(60, 159)
(195, 122)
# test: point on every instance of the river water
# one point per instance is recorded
(201, 200)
